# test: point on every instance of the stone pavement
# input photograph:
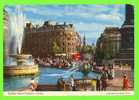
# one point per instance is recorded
(117, 83)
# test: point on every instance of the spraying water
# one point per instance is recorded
(15, 35)
(18, 27)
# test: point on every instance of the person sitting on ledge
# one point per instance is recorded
(33, 85)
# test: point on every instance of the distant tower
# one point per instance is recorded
(84, 40)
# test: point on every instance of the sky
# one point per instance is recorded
(88, 20)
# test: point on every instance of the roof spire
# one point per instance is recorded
(84, 40)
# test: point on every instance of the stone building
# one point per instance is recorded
(108, 44)
(117, 44)
(126, 54)
(6, 32)
(40, 40)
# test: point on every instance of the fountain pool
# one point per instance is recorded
(46, 76)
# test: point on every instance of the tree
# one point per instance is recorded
(87, 49)
(78, 48)
(56, 49)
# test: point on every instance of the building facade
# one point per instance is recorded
(42, 41)
(126, 54)
(117, 44)
(6, 32)
(108, 44)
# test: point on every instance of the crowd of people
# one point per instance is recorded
(58, 62)
(107, 72)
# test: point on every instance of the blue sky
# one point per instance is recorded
(90, 20)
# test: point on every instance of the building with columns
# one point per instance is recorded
(126, 54)
(108, 44)
(117, 44)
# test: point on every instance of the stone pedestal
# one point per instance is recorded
(126, 54)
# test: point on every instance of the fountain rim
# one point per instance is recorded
(20, 55)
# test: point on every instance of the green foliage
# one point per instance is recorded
(56, 49)
(87, 49)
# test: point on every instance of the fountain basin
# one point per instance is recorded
(22, 67)
(20, 56)
(21, 70)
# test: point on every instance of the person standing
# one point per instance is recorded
(104, 78)
(113, 72)
(93, 83)
(98, 83)
(125, 82)
(72, 83)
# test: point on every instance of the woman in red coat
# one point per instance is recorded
(125, 83)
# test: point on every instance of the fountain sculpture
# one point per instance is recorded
(18, 63)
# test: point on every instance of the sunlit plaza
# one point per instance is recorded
(69, 48)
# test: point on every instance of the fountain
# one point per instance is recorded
(16, 62)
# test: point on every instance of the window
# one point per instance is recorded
(68, 38)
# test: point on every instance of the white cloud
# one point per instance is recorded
(93, 26)
(34, 21)
(43, 11)
(81, 11)
(113, 16)
(109, 17)
(87, 8)
(100, 16)
(92, 29)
